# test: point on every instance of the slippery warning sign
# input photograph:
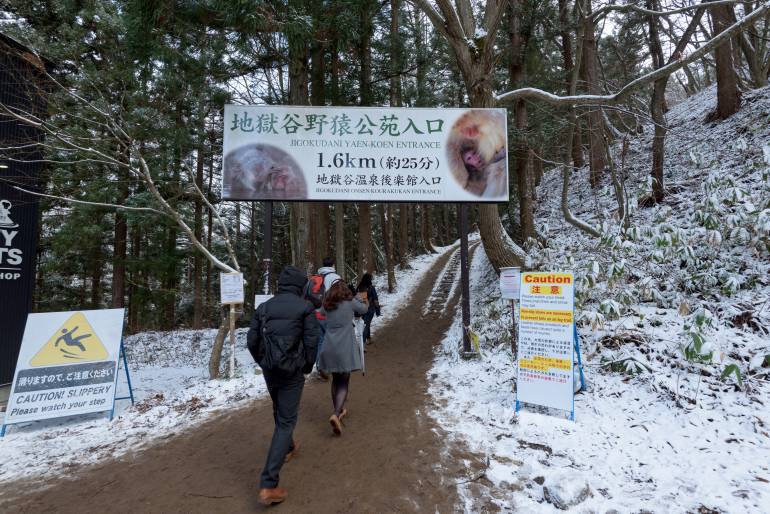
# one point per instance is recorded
(75, 341)
(546, 340)
(67, 365)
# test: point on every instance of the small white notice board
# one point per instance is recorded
(231, 288)
(510, 280)
(546, 340)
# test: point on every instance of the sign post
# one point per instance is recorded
(510, 289)
(546, 338)
(231, 291)
(68, 365)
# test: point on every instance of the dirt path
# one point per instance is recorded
(389, 458)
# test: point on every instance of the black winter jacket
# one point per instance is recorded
(284, 331)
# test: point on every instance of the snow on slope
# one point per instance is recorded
(169, 373)
(656, 431)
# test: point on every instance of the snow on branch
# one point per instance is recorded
(604, 11)
(570, 100)
(96, 204)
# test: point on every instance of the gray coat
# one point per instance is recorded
(341, 353)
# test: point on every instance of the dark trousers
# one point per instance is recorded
(368, 326)
(285, 391)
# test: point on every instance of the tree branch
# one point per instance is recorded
(96, 204)
(722, 37)
(220, 222)
(434, 17)
(604, 11)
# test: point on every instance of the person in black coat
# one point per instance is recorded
(283, 339)
(366, 291)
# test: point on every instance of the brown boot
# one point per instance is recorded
(271, 496)
(292, 453)
(334, 421)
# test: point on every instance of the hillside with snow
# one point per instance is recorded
(674, 319)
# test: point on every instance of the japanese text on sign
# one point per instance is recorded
(546, 340)
(358, 154)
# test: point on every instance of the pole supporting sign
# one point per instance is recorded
(231, 292)
(364, 154)
(68, 365)
(546, 341)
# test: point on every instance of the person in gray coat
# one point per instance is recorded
(340, 354)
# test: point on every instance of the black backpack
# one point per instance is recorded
(279, 353)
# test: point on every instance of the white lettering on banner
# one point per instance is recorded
(357, 154)
(546, 340)
(10, 258)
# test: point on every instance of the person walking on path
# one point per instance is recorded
(315, 291)
(367, 291)
(283, 340)
(341, 354)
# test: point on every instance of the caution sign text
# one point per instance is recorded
(545, 356)
(67, 365)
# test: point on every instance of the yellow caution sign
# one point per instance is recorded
(74, 341)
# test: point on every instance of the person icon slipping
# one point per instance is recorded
(67, 339)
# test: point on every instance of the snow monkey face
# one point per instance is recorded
(475, 149)
(259, 171)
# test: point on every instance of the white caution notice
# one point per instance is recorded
(67, 365)
(545, 359)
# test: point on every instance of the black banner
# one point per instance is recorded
(20, 164)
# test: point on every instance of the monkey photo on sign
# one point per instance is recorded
(476, 151)
(262, 172)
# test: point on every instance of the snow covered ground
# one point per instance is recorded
(656, 431)
(169, 373)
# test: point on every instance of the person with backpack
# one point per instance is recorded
(316, 288)
(367, 291)
(283, 340)
(341, 354)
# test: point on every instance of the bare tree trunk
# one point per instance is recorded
(658, 100)
(298, 95)
(475, 59)
(219, 343)
(366, 257)
(198, 258)
(566, 51)
(403, 234)
(519, 40)
(657, 107)
(339, 238)
(387, 237)
(728, 96)
(597, 151)
(120, 245)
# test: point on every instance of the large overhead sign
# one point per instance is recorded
(67, 365)
(365, 154)
(546, 340)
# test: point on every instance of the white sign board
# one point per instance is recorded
(510, 281)
(67, 365)
(231, 288)
(544, 365)
(259, 299)
(368, 154)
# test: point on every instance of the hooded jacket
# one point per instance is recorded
(330, 276)
(284, 332)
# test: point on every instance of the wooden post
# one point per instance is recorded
(267, 247)
(515, 334)
(232, 340)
